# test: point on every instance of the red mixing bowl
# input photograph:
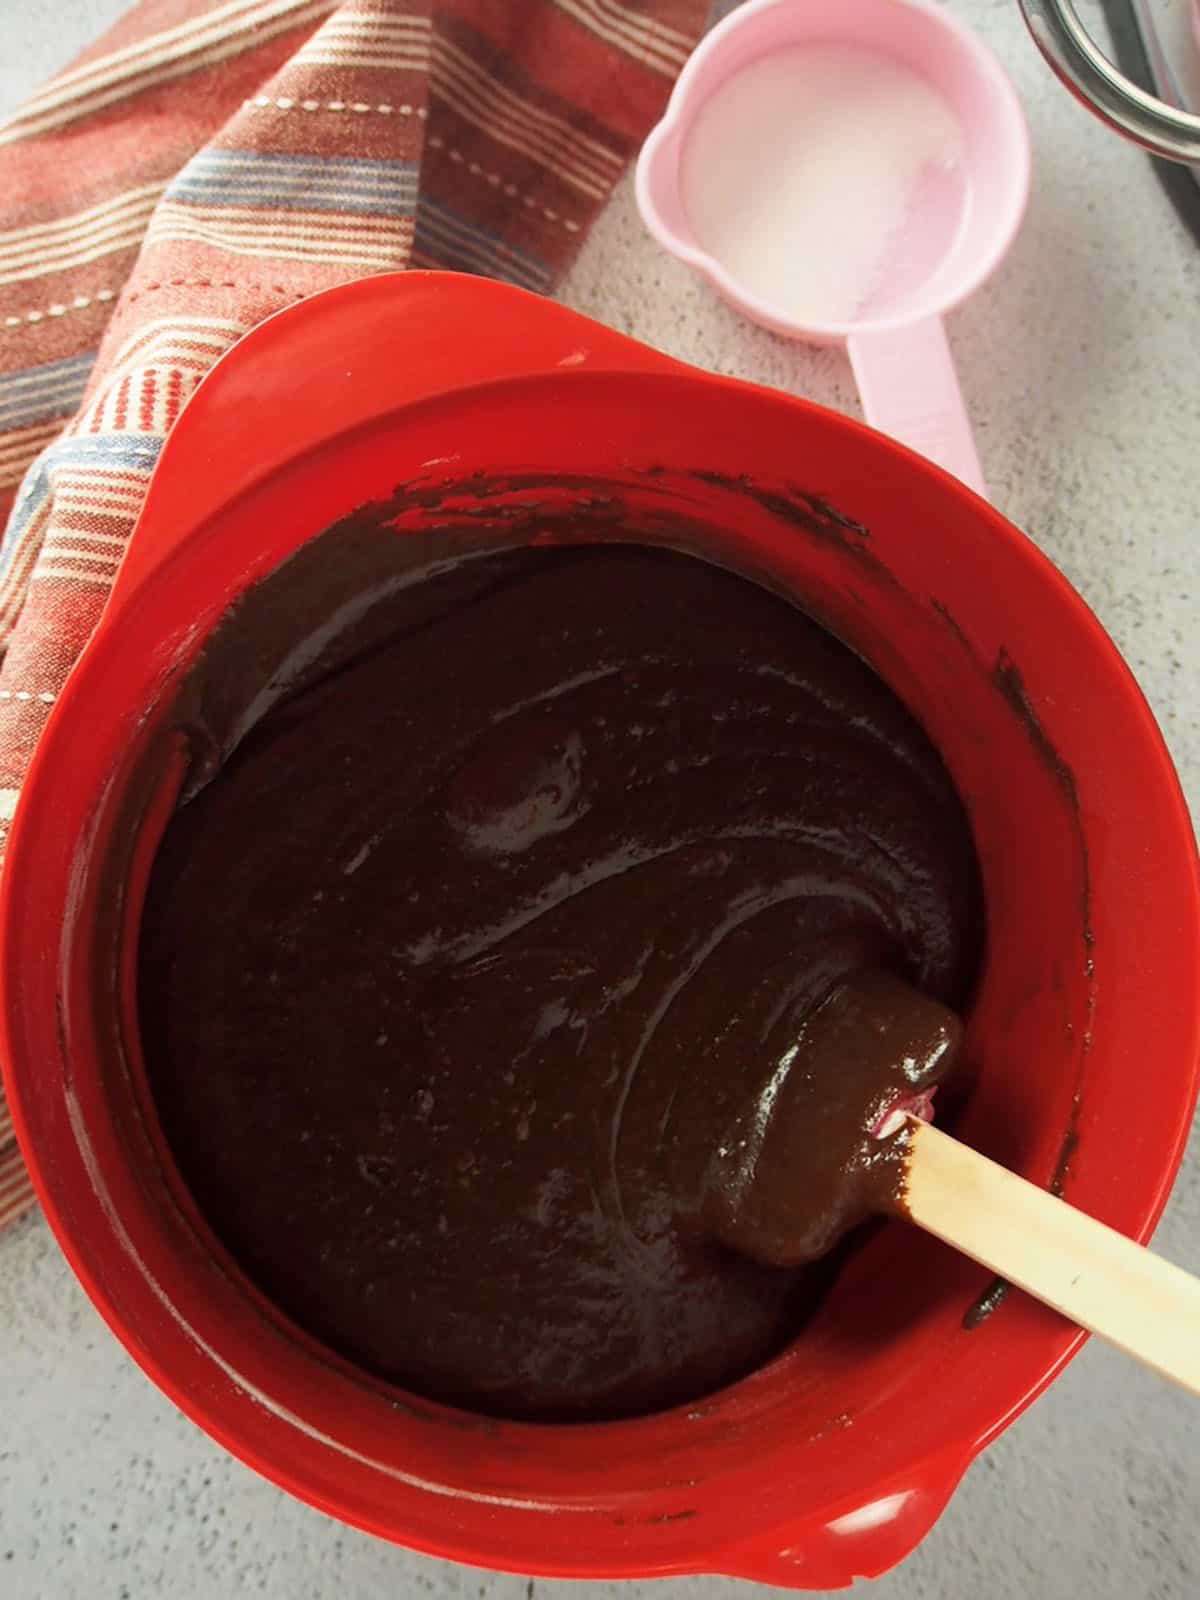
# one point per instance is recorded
(835, 1459)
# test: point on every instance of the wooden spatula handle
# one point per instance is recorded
(1089, 1272)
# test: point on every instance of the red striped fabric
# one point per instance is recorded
(210, 161)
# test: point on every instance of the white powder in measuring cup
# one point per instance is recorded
(801, 171)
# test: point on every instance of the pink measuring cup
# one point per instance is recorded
(950, 240)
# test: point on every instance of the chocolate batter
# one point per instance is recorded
(475, 981)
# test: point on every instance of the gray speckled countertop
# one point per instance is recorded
(1081, 363)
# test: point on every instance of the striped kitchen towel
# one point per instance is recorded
(208, 163)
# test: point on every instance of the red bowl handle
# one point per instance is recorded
(862, 1541)
(344, 358)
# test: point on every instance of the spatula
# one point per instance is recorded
(1100, 1279)
(809, 1157)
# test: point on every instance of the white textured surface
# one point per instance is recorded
(1081, 362)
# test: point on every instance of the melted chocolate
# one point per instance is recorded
(471, 982)
(804, 1158)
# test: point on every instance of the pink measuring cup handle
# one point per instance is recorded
(909, 389)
